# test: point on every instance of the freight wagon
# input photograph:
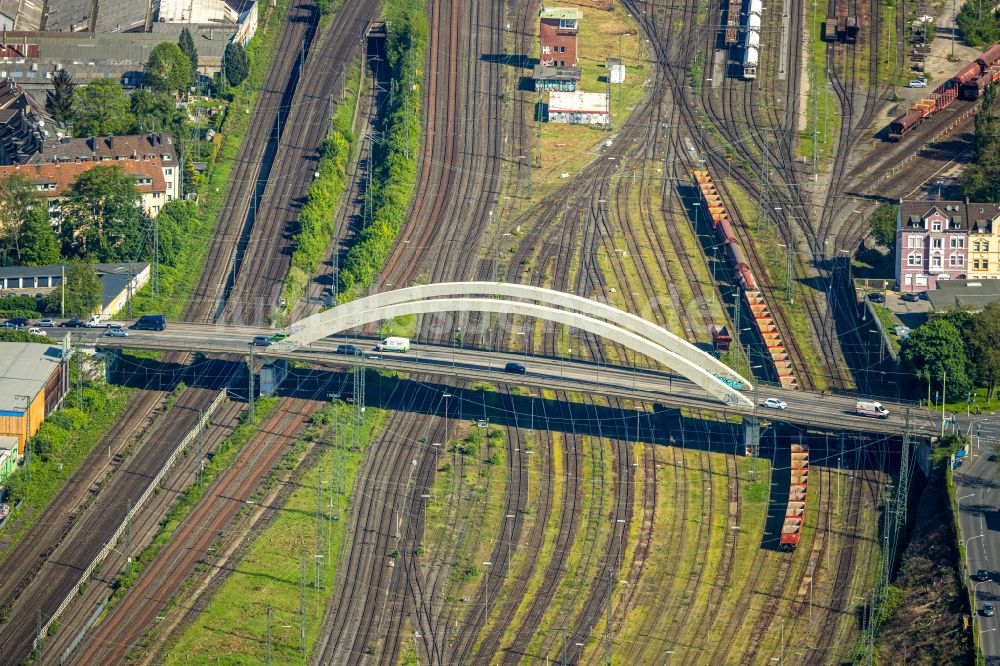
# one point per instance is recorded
(733, 22)
(968, 83)
(751, 50)
(791, 529)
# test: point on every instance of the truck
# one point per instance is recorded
(873, 409)
(394, 344)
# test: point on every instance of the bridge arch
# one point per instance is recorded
(620, 318)
(354, 314)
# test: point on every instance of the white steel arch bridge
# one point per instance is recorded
(629, 330)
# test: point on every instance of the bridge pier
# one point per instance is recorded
(272, 374)
(751, 435)
(111, 359)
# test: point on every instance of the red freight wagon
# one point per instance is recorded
(721, 338)
(989, 57)
(903, 125)
(967, 73)
(791, 529)
(724, 231)
(973, 90)
(746, 278)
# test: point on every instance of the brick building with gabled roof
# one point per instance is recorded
(557, 32)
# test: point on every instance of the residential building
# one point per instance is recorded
(21, 123)
(33, 380)
(579, 108)
(118, 149)
(119, 282)
(984, 246)
(557, 32)
(932, 241)
(54, 179)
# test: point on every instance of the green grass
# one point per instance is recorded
(103, 407)
(178, 282)
(231, 628)
(822, 119)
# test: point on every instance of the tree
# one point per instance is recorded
(20, 205)
(883, 225)
(102, 216)
(978, 24)
(59, 100)
(984, 338)
(83, 291)
(39, 245)
(156, 112)
(168, 69)
(186, 44)
(936, 354)
(237, 65)
(980, 182)
(101, 108)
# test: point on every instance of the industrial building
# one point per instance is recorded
(119, 282)
(33, 380)
(562, 79)
(579, 108)
(557, 32)
(21, 123)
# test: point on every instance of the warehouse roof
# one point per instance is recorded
(974, 294)
(578, 102)
(25, 367)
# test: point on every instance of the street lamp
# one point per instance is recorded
(958, 502)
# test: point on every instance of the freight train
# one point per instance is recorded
(735, 8)
(843, 29)
(795, 512)
(968, 84)
(723, 226)
(751, 48)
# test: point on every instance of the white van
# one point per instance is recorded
(394, 345)
(874, 409)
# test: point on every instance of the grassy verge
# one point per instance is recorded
(178, 281)
(62, 443)
(395, 156)
(318, 215)
(232, 627)
(821, 106)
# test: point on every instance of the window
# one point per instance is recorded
(975, 246)
(567, 24)
(975, 264)
(914, 259)
(562, 49)
(956, 260)
(156, 209)
(43, 281)
(168, 171)
(937, 243)
(986, 264)
(156, 195)
(936, 225)
(986, 246)
(915, 242)
(957, 242)
(936, 261)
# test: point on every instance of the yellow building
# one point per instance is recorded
(984, 249)
(33, 380)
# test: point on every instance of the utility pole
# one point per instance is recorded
(302, 599)
(27, 434)
(320, 532)
(267, 637)
(250, 387)
(128, 537)
(156, 257)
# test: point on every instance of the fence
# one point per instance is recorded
(109, 546)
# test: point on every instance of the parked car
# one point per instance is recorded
(349, 350)
(982, 575)
(917, 83)
(262, 341)
(34, 330)
(45, 323)
(989, 610)
(514, 368)
(93, 322)
(876, 297)
(72, 323)
(910, 297)
(18, 322)
(116, 332)
(774, 403)
(922, 295)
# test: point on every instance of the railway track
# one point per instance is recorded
(117, 634)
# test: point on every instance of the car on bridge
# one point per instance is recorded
(34, 330)
(262, 341)
(982, 575)
(72, 323)
(348, 350)
(514, 368)
(116, 332)
(774, 403)
(45, 323)
(989, 610)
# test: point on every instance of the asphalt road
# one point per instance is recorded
(977, 489)
(827, 411)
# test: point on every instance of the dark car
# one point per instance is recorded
(989, 610)
(72, 323)
(876, 297)
(922, 295)
(262, 341)
(348, 350)
(152, 322)
(910, 297)
(514, 368)
(982, 575)
(18, 322)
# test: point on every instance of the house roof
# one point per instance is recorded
(961, 215)
(547, 73)
(25, 367)
(108, 147)
(568, 13)
(964, 294)
(64, 174)
(578, 102)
